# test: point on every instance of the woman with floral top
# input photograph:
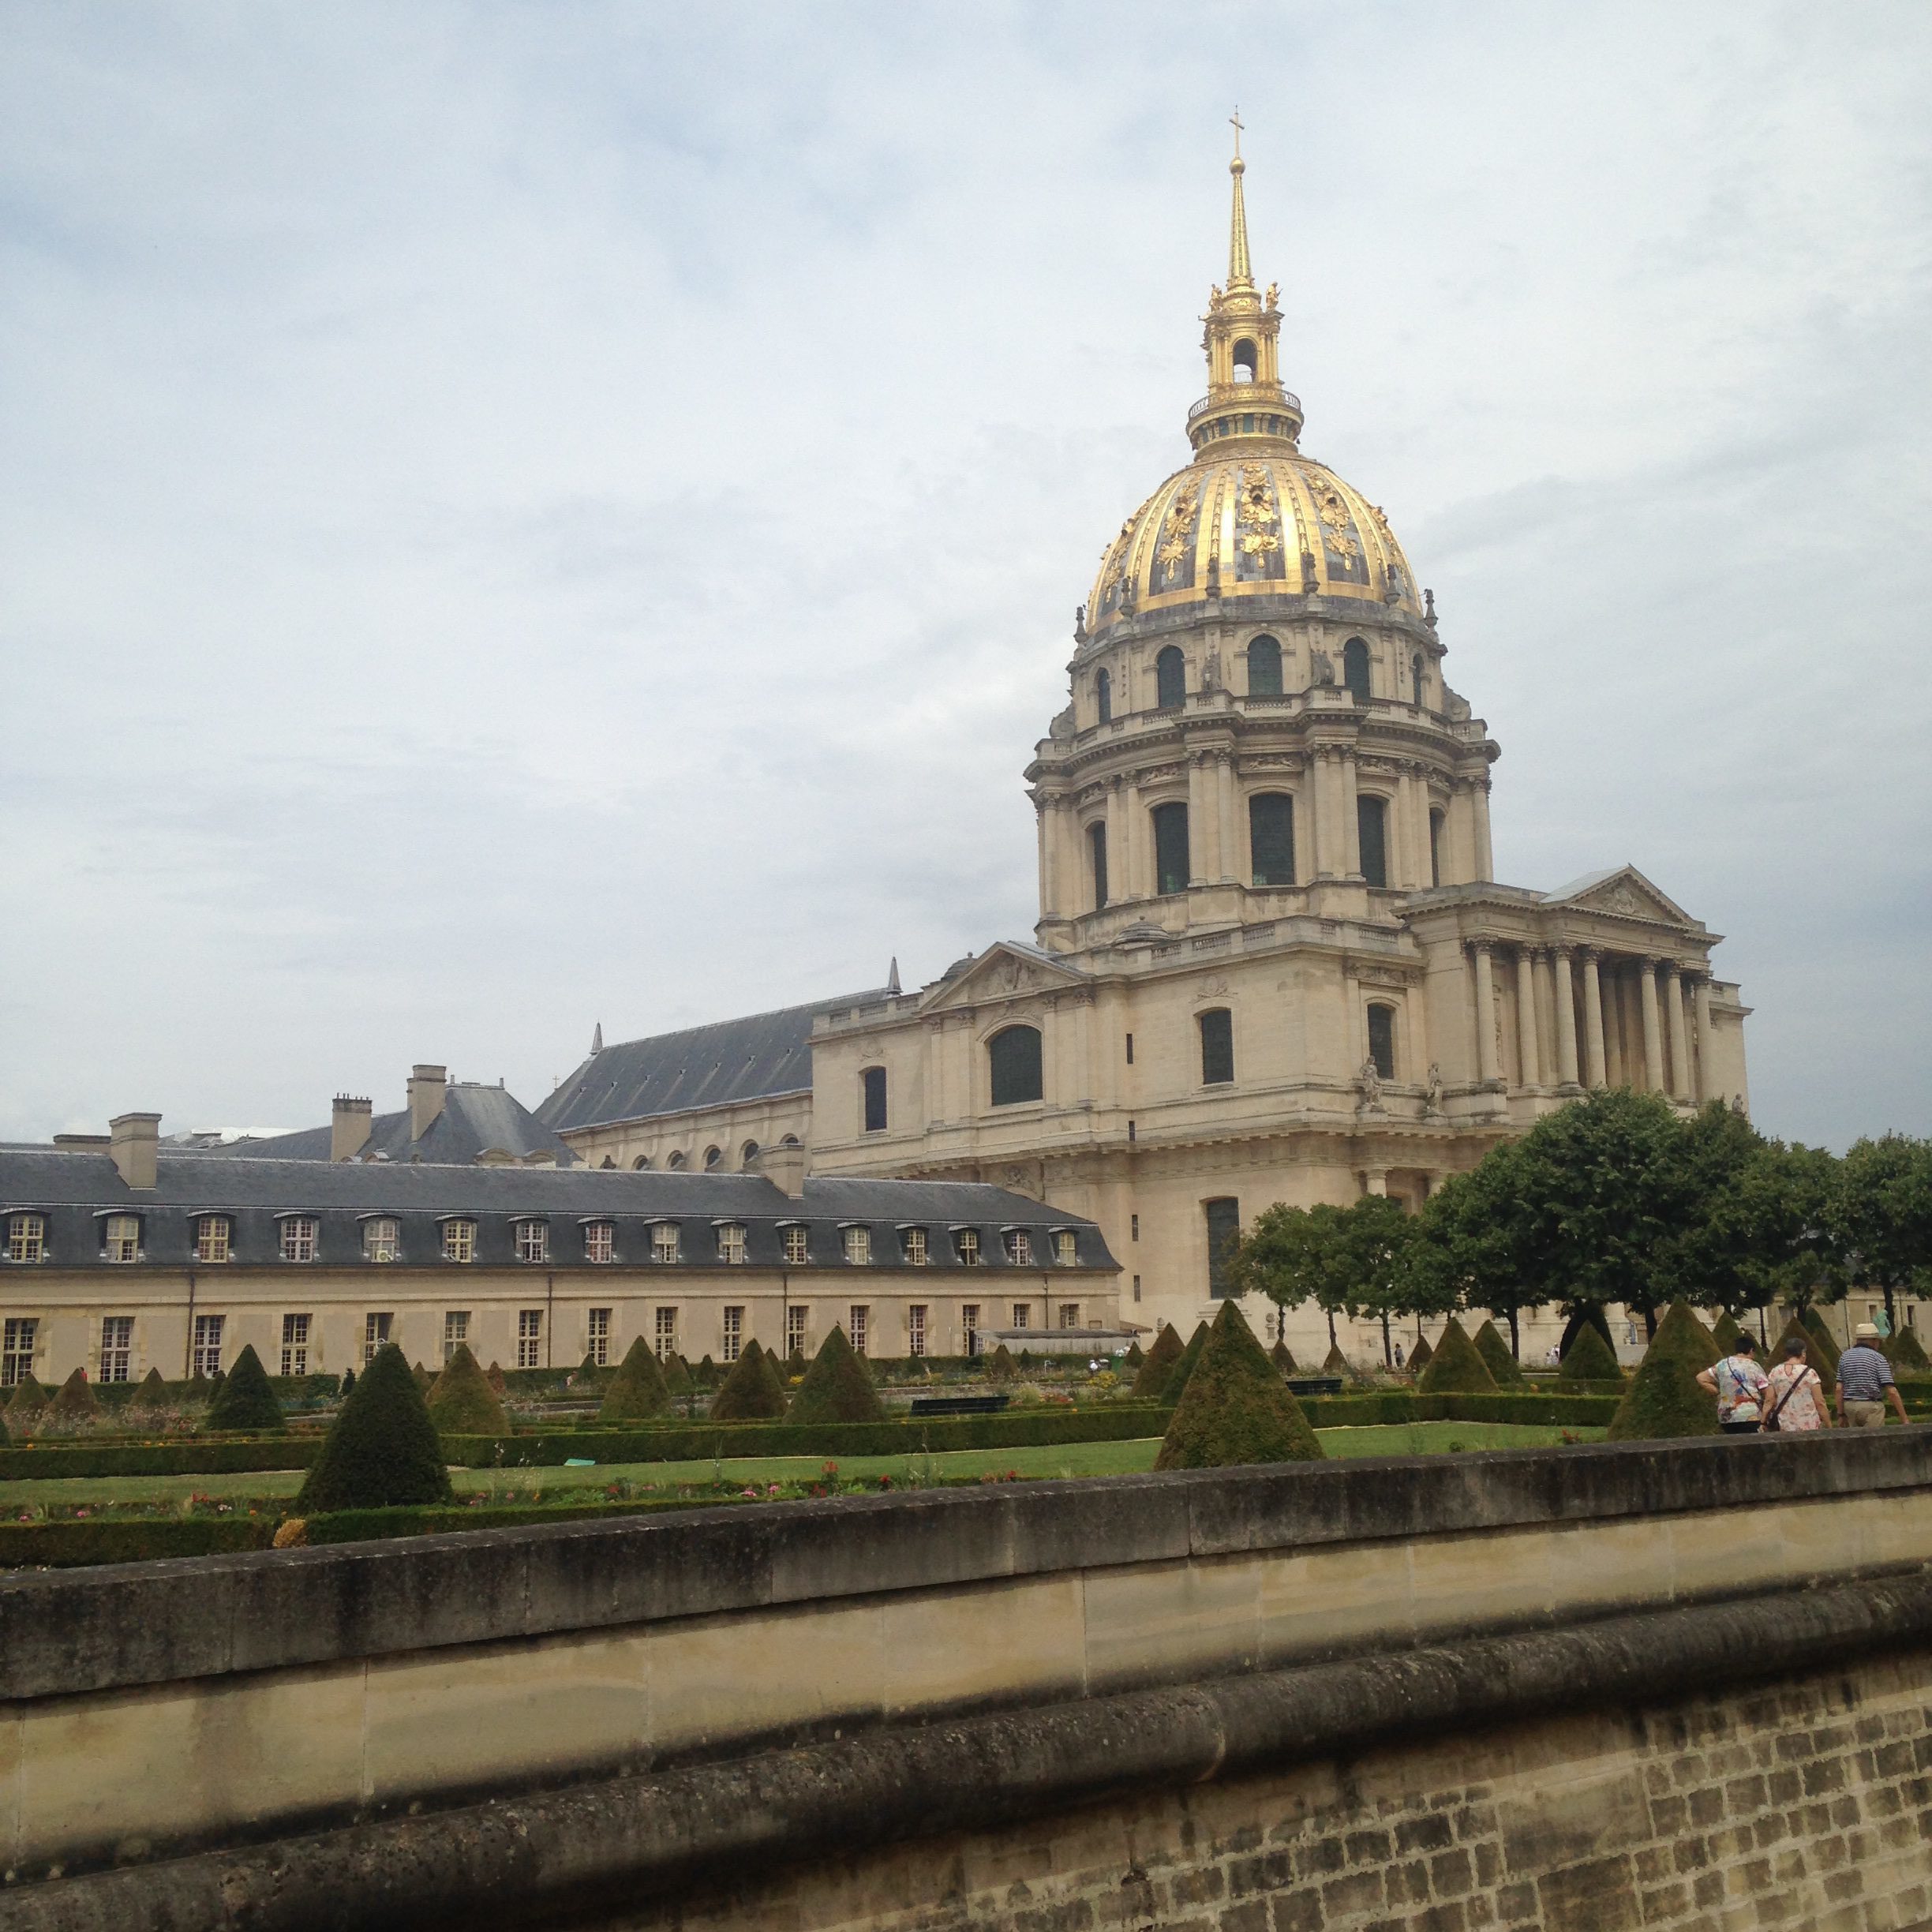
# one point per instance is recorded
(1793, 1397)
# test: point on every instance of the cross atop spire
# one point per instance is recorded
(1239, 274)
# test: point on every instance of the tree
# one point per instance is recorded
(1456, 1368)
(752, 1391)
(1236, 1409)
(1377, 1237)
(246, 1400)
(1158, 1365)
(1774, 1224)
(1470, 1248)
(637, 1391)
(382, 1450)
(1291, 1255)
(1664, 1397)
(837, 1387)
(461, 1401)
(1709, 1256)
(1883, 1214)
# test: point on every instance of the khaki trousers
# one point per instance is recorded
(1864, 1415)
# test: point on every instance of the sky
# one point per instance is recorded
(514, 517)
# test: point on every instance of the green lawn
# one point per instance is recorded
(1112, 1459)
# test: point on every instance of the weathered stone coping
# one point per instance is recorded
(628, 1842)
(63, 1632)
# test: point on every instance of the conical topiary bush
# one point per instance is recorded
(1177, 1376)
(494, 1376)
(1590, 1316)
(1664, 1397)
(1590, 1358)
(422, 1377)
(584, 1378)
(796, 1365)
(706, 1374)
(1504, 1370)
(1906, 1353)
(1235, 1408)
(1725, 1332)
(1817, 1327)
(27, 1400)
(382, 1450)
(74, 1401)
(1282, 1357)
(677, 1375)
(999, 1366)
(1419, 1355)
(1133, 1358)
(1152, 1378)
(1456, 1368)
(5, 1438)
(461, 1401)
(637, 1391)
(1335, 1363)
(837, 1387)
(1795, 1330)
(246, 1400)
(151, 1393)
(752, 1391)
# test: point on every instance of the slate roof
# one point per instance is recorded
(475, 1119)
(73, 1188)
(754, 1058)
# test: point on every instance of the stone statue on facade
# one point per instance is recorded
(1432, 1092)
(1324, 667)
(1369, 1081)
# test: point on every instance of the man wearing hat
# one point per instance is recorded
(1865, 1381)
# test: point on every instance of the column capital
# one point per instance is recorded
(1588, 954)
(1480, 946)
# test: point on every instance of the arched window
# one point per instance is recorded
(1170, 848)
(1415, 674)
(747, 1154)
(1264, 678)
(642, 1163)
(1270, 838)
(1355, 669)
(714, 1157)
(1436, 830)
(1170, 678)
(675, 1159)
(1217, 1044)
(1013, 1055)
(1244, 361)
(1096, 847)
(790, 1140)
(1371, 825)
(1382, 1039)
(1104, 697)
(873, 1081)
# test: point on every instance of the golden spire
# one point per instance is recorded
(1239, 274)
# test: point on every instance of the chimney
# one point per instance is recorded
(784, 1166)
(133, 1140)
(427, 1085)
(350, 1119)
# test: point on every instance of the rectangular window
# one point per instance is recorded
(600, 1241)
(1130, 1049)
(1223, 1227)
(969, 1327)
(797, 1322)
(667, 1333)
(856, 1332)
(375, 1334)
(1382, 1039)
(379, 1239)
(27, 1237)
(1019, 1248)
(1436, 826)
(858, 1247)
(455, 1331)
(664, 1241)
(734, 1333)
(123, 1238)
(294, 1345)
(117, 1346)
(797, 1246)
(1217, 1045)
(1270, 838)
(916, 1329)
(1372, 826)
(532, 1241)
(873, 1080)
(597, 1335)
(1136, 1287)
(205, 1357)
(912, 1244)
(1023, 1314)
(212, 1237)
(529, 1338)
(1170, 848)
(1069, 1314)
(17, 1349)
(459, 1241)
(1096, 845)
(1066, 1249)
(732, 1244)
(966, 1241)
(298, 1237)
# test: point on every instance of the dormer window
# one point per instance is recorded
(731, 1246)
(26, 1238)
(858, 1247)
(123, 1238)
(533, 1242)
(913, 1245)
(797, 1246)
(600, 1241)
(966, 1245)
(1019, 1248)
(299, 1235)
(459, 1241)
(1066, 1250)
(379, 1239)
(213, 1238)
(665, 1243)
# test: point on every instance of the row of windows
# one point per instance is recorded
(19, 1336)
(713, 1158)
(1265, 675)
(300, 1235)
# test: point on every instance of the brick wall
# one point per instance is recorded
(1804, 1804)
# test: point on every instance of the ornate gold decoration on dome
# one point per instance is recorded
(1342, 545)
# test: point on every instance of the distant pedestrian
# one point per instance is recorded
(1865, 1383)
(1793, 1397)
(1553, 1356)
(1398, 1355)
(1739, 1384)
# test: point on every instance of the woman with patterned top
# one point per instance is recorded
(1738, 1384)
(1793, 1397)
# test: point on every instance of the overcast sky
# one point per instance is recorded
(515, 516)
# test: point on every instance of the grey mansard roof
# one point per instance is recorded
(475, 1120)
(755, 1058)
(74, 1189)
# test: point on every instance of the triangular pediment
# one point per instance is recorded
(1624, 892)
(1004, 971)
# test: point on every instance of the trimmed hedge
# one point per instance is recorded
(232, 1457)
(134, 1539)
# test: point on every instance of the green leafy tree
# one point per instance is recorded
(1378, 1238)
(1293, 1255)
(1708, 1257)
(1236, 1409)
(837, 1387)
(1772, 1228)
(752, 1390)
(382, 1450)
(461, 1401)
(1471, 1246)
(637, 1391)
(246, 1401)
(1883, 1214)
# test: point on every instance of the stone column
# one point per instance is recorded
(1652, 1026)
(935, 1070)
(1674, 1031)
(1566, 1020)
(1485, 863)
(1700, 999)
(1320, 831)
(1119, 885)
(1134, 845)
(1199, 872)
(1528, 1056)
(1375, 1180)
(1592, 961)
(1545, 1014)
(1485, 1013)
(1233, 865)
(1043, 830)
(1350, 827)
